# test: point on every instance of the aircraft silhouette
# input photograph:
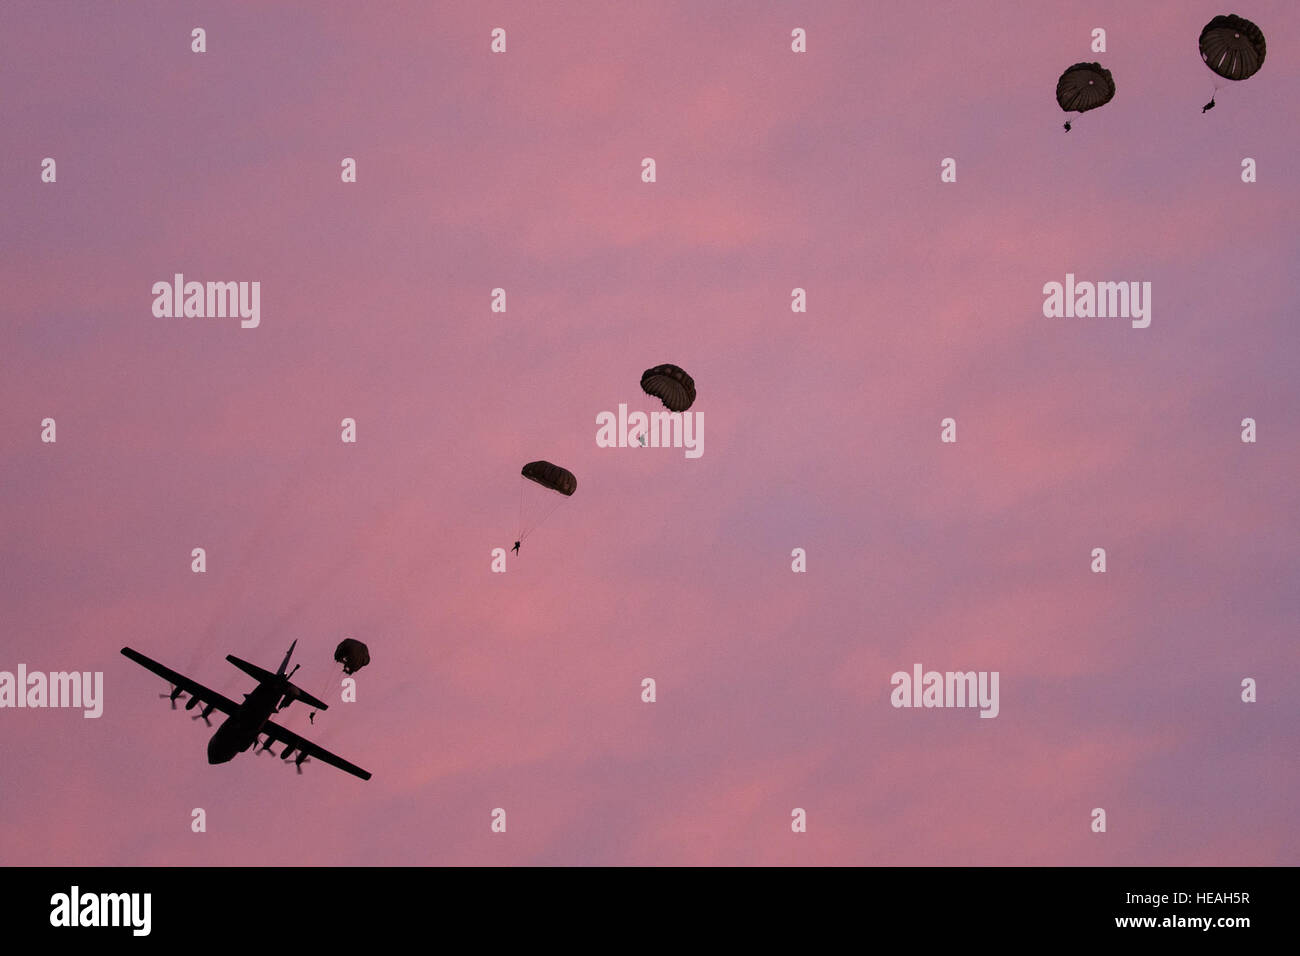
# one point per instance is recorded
(248, 721)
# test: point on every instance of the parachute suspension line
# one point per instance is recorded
(524, 533)
(324, 687)
(520, 527)
(559, 483)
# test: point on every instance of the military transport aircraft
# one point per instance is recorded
(249, 720)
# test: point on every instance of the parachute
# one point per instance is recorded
(1083, 87)
(671, 385)
(551, 476)
(554, 479)
(352, 654)
(1232, 47)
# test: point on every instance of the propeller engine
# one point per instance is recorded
(176, 692)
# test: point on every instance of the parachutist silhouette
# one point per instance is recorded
(1084, 87)
(1232, 47)
(515, 549)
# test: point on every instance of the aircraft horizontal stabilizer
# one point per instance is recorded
(261, 674)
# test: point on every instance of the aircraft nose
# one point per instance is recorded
(216, 752)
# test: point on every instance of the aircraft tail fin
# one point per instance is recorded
(288, 654)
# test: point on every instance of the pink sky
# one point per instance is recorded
(775, 170)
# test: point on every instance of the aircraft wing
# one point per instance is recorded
(306, 748)
(193, 688)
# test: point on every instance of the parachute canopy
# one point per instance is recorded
(352, 654)
(1083, 87)
(1232, 47)
(671, 385)
(551, 476)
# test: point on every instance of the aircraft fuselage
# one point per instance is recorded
(242, 728)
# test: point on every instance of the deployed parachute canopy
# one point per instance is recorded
(1233, 48)
(1083, 87)
(671, 385)
(550, 476)
(534, 511)
(352, 654)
